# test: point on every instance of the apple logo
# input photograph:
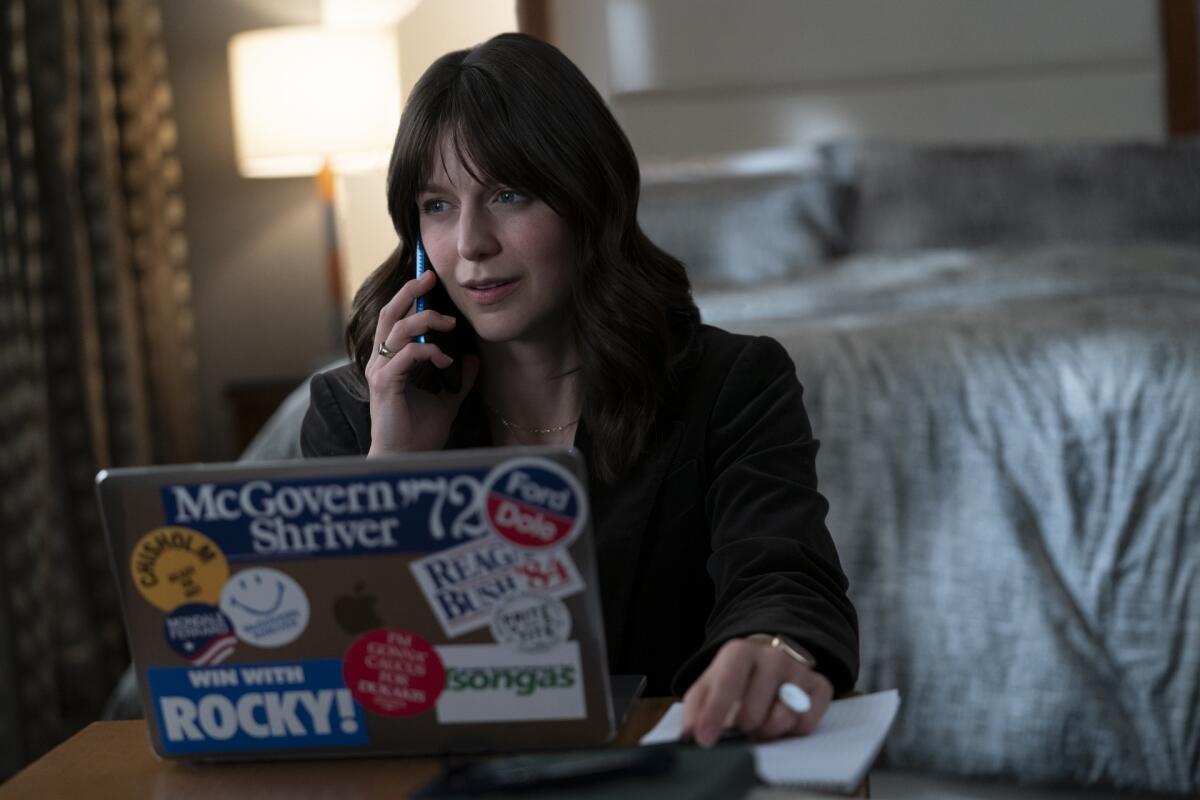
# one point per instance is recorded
(355, 613)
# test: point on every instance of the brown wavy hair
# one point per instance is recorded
(520, 114)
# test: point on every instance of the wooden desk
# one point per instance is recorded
(114, 760)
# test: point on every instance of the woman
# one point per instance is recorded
(553, 320)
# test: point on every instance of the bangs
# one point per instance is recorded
(494, 142)
(457, 136)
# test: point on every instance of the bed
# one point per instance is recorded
(1001, 353)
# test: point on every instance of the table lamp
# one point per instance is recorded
(315, 101)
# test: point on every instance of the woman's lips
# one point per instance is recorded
(487, 294)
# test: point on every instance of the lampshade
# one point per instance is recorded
(305, 94)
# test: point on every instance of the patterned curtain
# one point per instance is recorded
(96, 358)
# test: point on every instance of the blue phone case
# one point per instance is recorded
(420, 272)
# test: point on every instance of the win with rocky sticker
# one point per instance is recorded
(282, 706)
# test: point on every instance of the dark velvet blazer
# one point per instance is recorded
(718, 532)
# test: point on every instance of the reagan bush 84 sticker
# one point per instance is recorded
(465, 584)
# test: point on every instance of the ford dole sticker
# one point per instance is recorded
(200, 633)
(283, 706)
(464, 584)
(496, 683)
(268, 608)
(534, 503)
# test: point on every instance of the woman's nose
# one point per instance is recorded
(476, 237)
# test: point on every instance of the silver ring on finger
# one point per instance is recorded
(386, 351)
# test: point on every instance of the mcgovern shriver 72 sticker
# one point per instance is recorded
(279, 706)
(331, 516)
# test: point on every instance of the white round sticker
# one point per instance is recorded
(531, 621)
(267, 607)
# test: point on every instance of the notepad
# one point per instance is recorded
(835, 757)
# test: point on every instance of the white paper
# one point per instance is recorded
(836, 755)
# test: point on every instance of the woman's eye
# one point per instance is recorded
(434, 206)
(509, 196)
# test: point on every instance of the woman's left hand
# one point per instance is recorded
(740, 689)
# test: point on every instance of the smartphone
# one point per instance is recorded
(542, 771)
(455, 344)
(420, 271)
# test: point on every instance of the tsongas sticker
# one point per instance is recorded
(200, 633)
(173, 566)
(292, 705)
(465, 583)
(534, 503)
(531, 621)
(495, 683)
(268, 608)
(394, 673)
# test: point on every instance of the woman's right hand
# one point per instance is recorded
(405, 419)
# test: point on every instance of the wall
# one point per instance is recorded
(696, 77)
(255, 247)
(432, 29)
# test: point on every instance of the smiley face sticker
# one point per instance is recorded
(268, 608)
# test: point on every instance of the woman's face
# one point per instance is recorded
(504, 258)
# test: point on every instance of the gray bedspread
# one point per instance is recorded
(1011, 450)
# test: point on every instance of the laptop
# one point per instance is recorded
(432, 603)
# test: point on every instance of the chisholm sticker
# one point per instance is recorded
(464, 584)
(498, 683)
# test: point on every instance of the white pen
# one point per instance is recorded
(794, 698)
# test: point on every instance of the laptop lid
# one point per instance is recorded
(432, 603)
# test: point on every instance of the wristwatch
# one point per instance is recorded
(789, 648)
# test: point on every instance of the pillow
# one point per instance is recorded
(915, 197)
(738, 230)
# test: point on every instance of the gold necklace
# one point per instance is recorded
(515, 428)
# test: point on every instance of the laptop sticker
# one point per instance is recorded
(394, 673)
(285, 705)
(268, 608)
(531, 621)
(331, 516)
(534, 503)
(171, 566)
(497, 683)
(200, 633)
(463, 585)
